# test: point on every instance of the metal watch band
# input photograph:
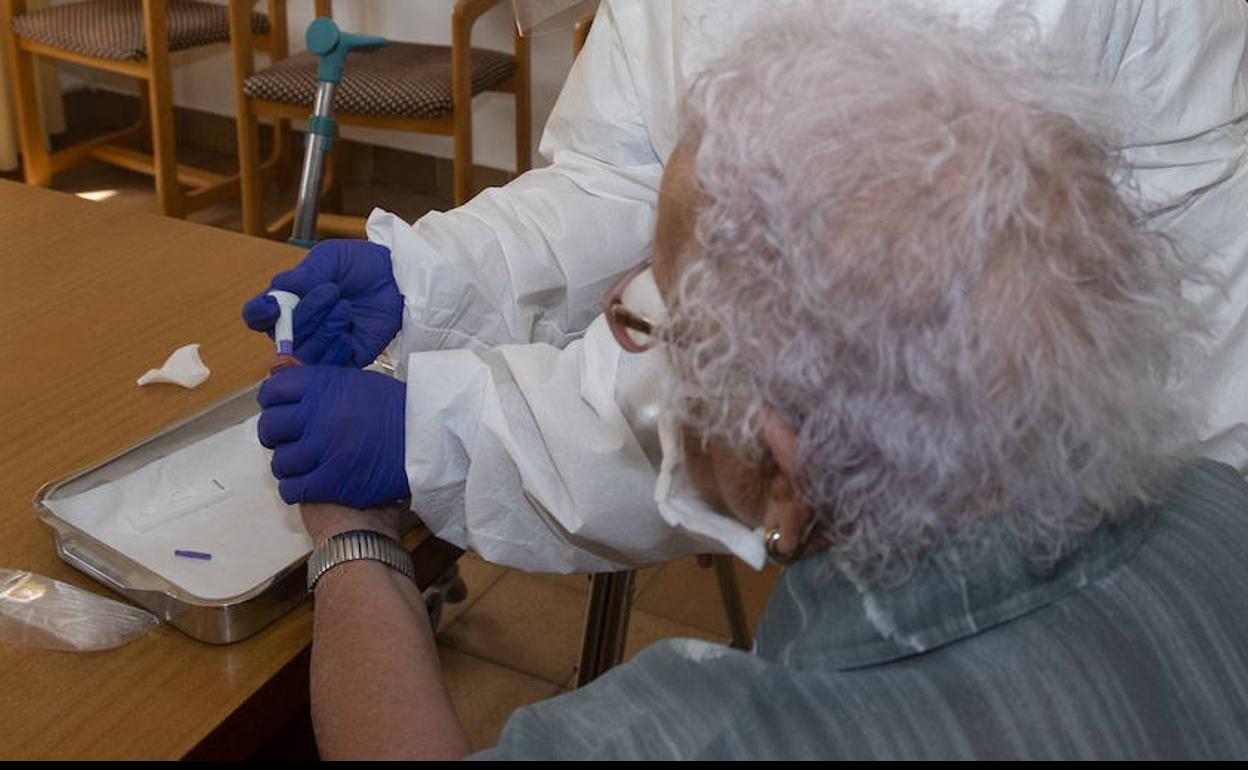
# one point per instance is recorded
(358, 544)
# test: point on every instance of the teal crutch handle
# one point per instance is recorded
(332, 45)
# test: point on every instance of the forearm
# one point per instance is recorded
(377, 688)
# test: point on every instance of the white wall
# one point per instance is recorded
(203, 78)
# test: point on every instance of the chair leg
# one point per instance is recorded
(461, 106)
(524, 106)
(250, 173)
(734, 608)
(283, 149)
(32, 141)
(51, 101)
(606, 624)
(249, 176)
(524, 141)
(145, 116)
(164, 148)
(462, 163)
(164, 152)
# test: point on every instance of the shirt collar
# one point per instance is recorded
(817, 616)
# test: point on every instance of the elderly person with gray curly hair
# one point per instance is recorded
(914, 333)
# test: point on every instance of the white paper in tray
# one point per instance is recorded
(216, 496)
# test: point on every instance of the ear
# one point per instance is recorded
(781, 439)
(784, 509)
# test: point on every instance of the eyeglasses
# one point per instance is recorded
(634, 309)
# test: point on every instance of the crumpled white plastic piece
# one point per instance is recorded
(184, 368)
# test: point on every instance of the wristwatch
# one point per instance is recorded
(359, 544)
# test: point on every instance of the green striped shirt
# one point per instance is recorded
(1134, 647)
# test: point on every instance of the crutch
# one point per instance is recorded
(331, 45)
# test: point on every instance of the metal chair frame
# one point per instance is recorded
(610, 602)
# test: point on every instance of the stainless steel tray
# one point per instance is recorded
(217, 621)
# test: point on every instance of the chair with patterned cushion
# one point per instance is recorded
(135, 38)
(401, 86)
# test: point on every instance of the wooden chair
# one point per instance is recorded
(135, 38)
(580, 33)
(403, 86)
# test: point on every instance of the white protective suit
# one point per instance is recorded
(531, 438)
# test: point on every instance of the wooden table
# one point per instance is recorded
(91, 297)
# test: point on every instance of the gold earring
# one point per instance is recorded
(771, 544)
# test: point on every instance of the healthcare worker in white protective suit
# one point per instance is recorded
(524, 434)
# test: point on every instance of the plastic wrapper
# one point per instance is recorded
(36, 611)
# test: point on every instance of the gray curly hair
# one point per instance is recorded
(914, 252)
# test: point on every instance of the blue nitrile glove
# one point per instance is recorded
(337, 435)
(350, 307)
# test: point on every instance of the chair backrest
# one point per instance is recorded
(580, 33)
(279, 39)
(463, 16)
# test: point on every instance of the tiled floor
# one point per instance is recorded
(516, 638)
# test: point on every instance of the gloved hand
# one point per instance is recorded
(337, 435)
(350, 307)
